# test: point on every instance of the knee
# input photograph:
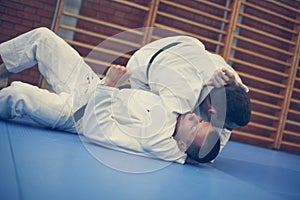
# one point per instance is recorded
(43, 32)
(17, 85)
(18, 90)
(12, 100)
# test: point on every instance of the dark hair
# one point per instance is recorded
(238, 105)
(212, 144)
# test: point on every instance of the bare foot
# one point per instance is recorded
(3, 82)
(4, 74)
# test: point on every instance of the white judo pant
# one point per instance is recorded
(71, 79)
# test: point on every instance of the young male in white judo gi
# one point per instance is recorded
(129, 120)
(190, 79)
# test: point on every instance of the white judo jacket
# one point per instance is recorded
(176, 69)
(132, 121)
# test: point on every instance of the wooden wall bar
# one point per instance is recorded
(259, 38)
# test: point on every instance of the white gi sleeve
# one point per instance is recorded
(224, 138)
(99, 124)
(129, 120)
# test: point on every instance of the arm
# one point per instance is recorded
(129, 120)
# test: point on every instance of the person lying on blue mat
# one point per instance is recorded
(134, 120)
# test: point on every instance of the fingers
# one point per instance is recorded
(115, 69)
(228, 76)
(124, 76)
(221, 77)
(117, 75)
(123, 72)
(119, 69)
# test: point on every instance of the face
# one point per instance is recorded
(192, 129)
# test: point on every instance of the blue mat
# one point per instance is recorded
(46, 164)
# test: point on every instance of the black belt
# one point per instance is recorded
(158, 52)
(79, 113)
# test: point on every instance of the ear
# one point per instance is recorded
(182, 145)
(212, 110)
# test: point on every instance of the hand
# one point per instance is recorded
(221, 77)
(117, 75)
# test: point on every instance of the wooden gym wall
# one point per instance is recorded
(259, 38)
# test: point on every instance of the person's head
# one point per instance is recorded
(234, 113)
(197, 138)
(207, 152)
